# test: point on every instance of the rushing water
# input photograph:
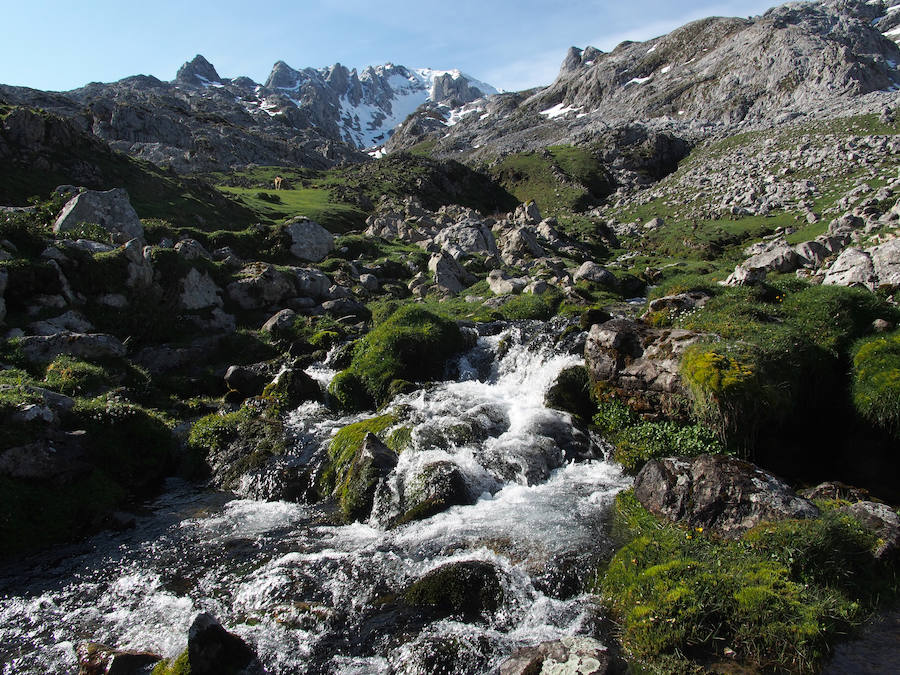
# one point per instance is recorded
(310, 597)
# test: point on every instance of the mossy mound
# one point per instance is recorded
(876, 381)
(470, 588)
(411, 344)
(779, 598)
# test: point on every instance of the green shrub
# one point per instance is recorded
(638, 444)
(876, 381)
(778, 598)
(528, 306)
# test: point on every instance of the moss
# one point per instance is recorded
(780, 598)
(412, 343)
(344, 446)
(179, 666)
(876, 381)
(349, 392)
(529, 306)
(72, 376)
(213, 432)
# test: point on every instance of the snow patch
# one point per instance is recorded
(666, 70)
(892, 32)
(652, 49)
(638, 80)
(558, 110)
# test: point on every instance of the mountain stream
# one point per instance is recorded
(315, 598)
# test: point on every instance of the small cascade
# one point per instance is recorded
(531, 503)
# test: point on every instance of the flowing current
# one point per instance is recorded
(315, 598)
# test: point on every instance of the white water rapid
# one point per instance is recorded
(316, 598)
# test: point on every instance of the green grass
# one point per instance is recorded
(876, 381)
(780, 598)
(314, 203)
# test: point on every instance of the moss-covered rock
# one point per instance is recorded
(291, 387)
(470, 588)
(434, 489)
(411, 344)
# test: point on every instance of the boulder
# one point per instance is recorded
(374, 461)
(292, 386)
(311, 283)
(90, 346)
(745, 276)
(368, 282)
(595, 274)
(723, 495)
(199, 291)
(518, 245)
(191, 249)
(527, 214)
(260, 285)
(811, 253)
(853, 267)
(571, 655)
(778, 256)
(681, 302)
(434, 488)
(449, 275)
(886, 261)
(639, 364)
(111, 210)
(60, 456)
(212, 650)
(883, 521)
(140, 269)
(467, 238)
(71, 321)
(280, 323)
(309, 240)
(501, 284)
(469, 588)
(346, 307)
(248, 380)
(97, 659)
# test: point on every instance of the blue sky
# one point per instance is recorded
(59, 45)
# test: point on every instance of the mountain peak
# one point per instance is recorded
(197, 71)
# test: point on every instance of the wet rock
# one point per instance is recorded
(97, 659)
(90, 346)
(292, 386)
(309, 240)
(248, 380)
(111, 210)
(373, 462)
(639, 364)
(571, 392)
(214, 651)
(576, 655)
(723, 495)
(435, 488)
(469, 588)
(881, 520)
(60, 457)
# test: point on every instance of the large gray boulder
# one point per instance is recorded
(883, 521)
(723, 495)
(886, 261)
(199, 291)
(853, 267)
(111, 210)
(595, 274)
(311, 283)
(466, 238)
(309, 240)
(449, 275)
(260, 285)
(40, 348)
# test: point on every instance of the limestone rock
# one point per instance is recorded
(111, 210)
(639, 363)
(71, 321)
(311, 283)
(501, 284)
(853, 267)
(745, 276)
(886, 261)
(519, 244)
(723, 495)
(259, 286)
(280, 322)
(309, 240)
(91, 346)
(680, 302)
(573, 655)
(199, 291)
(467, 238)
(883, 521)
(191, 249)
(596, 274)
(527, 214)
(248, 380)
(449, 275)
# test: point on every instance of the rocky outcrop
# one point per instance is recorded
(260, 286)
(212, 650)
(722, 495)
(111, 210)
(883, 521)
(90, 346)
(639, 364)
